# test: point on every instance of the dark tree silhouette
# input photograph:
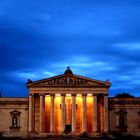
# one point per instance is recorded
(124, 95)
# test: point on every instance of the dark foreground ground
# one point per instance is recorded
(77, 138)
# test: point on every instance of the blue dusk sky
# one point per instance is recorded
(99, 39)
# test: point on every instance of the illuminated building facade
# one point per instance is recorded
(68, 103)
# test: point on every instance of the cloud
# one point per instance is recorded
(97, 39)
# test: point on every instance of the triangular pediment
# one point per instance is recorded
(68, 80)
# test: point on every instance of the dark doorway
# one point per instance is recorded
(122, 124)
(68, 128)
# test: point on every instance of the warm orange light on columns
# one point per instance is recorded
(57, 114)
(52, 114)
(95, 125)
(63, 115)
(47, 113)
(79, 110)
(73, 113)
(84, 119)
(89, 113)
(68, 102)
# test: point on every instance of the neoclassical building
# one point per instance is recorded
(68, 103)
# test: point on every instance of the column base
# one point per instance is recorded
(95, 134)
(52, 133)
(84, 134)
(74, 134)
(32, 134)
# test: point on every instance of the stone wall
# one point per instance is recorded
(129, 108)
(10, 107)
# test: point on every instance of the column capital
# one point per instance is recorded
(84, 94)
(31, 95)
(73, 94)
(52, 94)
(42, 94)
(63, 94)
(105, 94)
(94, 94)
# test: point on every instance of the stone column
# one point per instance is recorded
(63, 115)
(106, 114)
(73, 113)
(84, 119)
(52, 114)
(30, 113)
(42, 115)
(95, 124)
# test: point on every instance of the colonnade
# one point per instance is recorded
(63, 114)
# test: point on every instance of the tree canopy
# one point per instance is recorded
(124, 95)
